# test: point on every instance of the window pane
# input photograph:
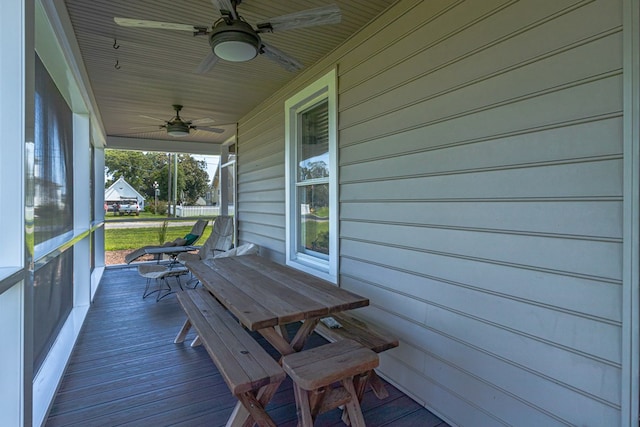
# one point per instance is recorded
(52, 303)
(313, 143)
(53, 155)
(313, 218)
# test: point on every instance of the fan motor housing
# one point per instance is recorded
(234, 41)
(177, 128)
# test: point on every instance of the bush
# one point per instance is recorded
(160, 209)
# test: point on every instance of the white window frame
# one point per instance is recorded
(325, 88)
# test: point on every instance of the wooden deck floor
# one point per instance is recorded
(125, 370)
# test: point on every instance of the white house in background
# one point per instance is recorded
(122, 190)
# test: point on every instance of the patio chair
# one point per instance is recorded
(174, 247)
(220, 241)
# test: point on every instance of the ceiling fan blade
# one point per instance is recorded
(286, 61)
(225, 5)
(142, 23)
(206, 64)
(142, 128)
(208, 129)
(307, 18)
(152, 118)
(203, 120)
(158, 132)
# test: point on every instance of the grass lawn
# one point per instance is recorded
(133, 238)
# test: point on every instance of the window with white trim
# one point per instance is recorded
(312, 179)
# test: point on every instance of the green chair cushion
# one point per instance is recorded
(190, 238)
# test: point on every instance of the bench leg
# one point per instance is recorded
(303, 407)
(353, 406)
(359, 385)
(250, 408)
(316, 399)
(378, 386)
(183, 332)
(196, 341)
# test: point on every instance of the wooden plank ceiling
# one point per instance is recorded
(156, 67)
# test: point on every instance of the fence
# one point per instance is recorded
(198, 211)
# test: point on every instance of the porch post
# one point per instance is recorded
(223, 185)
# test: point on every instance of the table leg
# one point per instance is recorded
(282, 330)
(297, 343)
(276, 340)
(285, 347)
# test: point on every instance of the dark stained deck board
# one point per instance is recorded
(126, 370)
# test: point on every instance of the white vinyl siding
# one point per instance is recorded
(481, 159)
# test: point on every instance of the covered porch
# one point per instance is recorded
(472, 169)
(126, 370)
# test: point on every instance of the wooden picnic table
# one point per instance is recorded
(266, 296)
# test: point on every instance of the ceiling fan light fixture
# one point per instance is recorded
(177, 129)
(235, 41)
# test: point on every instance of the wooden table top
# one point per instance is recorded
(262, 293)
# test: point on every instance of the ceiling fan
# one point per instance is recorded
(178, 127)
(233, 39)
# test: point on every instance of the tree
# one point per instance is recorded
(192, 173)
(134, 166)
(142, 169)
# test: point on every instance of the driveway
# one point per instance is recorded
(146, 223)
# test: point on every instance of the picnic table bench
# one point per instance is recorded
(252, 375)
(376, 339)
(373, 338)
(314, 372)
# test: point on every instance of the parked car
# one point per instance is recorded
(127, 207)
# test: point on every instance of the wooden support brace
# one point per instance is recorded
(257, 414)
(303, 333)
(182, 334)
(353, 406)
(359, 385)
(303, 408)
(282, 331)
(377, 386)
(196, 341)
(276, 340)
